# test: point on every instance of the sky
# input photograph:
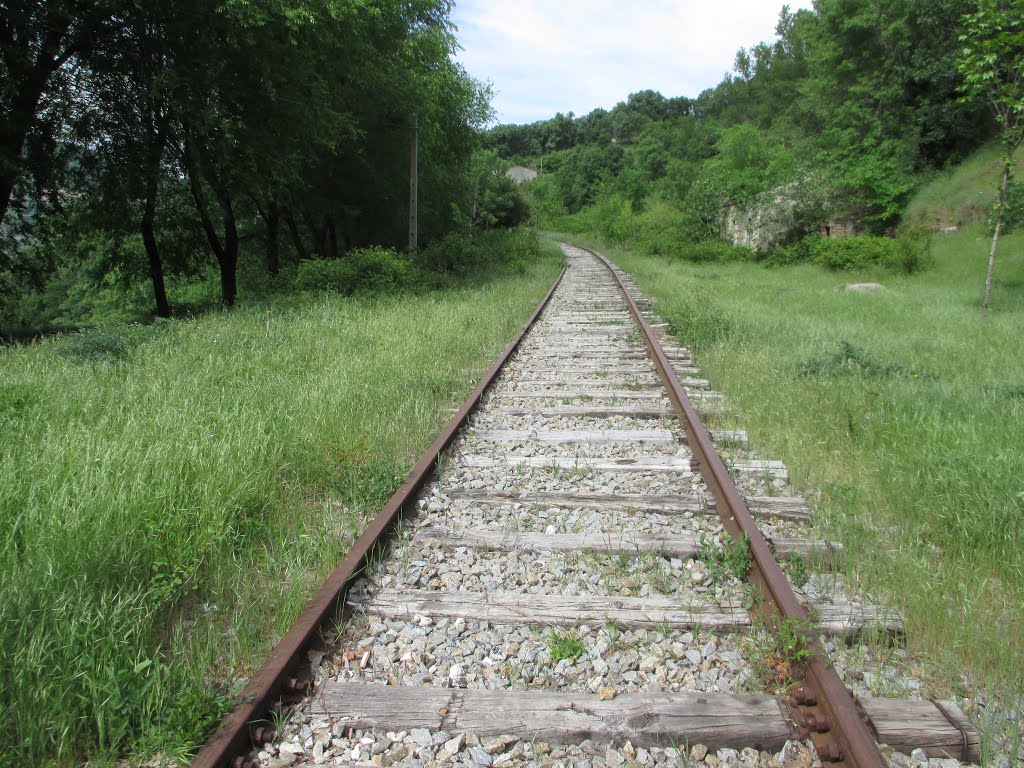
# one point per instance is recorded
(548, 56)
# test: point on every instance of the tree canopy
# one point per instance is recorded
(169, 129)
(863, 97)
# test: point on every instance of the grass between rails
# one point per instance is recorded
(902, 412)
(165, 517)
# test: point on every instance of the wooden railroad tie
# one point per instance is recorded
(646, 719)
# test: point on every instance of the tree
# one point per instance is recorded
(497, 199)
(991, 62)
(37, 39)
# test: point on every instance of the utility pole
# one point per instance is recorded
(414, 228)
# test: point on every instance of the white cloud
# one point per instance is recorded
(576, 55)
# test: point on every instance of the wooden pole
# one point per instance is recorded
(414, 187)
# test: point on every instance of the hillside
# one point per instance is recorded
(958, 196)
(833, 127)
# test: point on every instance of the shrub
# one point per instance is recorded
(864, 251)
(95, 346)
(452, 254)
(906, 254)
(661, 230)
(500, 203)
(508, 251)
(363, 270)
(664, 230)
(792, 253)
(850, 252)
(613, 218)
(460, 254)
(714, 250)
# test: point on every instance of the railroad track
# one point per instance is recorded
(579, 572)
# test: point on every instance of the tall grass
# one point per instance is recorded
(173, 494)
(960, 195)
(901, 412)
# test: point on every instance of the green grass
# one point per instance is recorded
(730, 561)
(913, 450)
(960, 195)
(172, 496)
(564, 645)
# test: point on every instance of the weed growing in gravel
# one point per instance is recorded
(792, 640)
(796, 568)
(775, 656)
(564, 645)
(730, 561)
(614, 628)
(633, 572)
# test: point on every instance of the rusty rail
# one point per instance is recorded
(286, 670)
(844, 735)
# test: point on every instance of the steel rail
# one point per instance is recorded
(282, 672)
(849, 740)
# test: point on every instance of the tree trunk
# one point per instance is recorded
(7, 181)
(229, 265)
(226, 253)
(331, 237)
(318, 235)
(12, 135)
(293, 229)
(147, 226)
(273, 220)
(156, 269)
(1003, 189)
(476, 190)
(199, 198)
(157, 130)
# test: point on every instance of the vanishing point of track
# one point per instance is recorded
(579, 462)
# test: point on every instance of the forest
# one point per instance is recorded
(831, 126)
(145, 147)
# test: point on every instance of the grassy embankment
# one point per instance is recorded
(168, 508)
(901, 414)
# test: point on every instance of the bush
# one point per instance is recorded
(861, 252)
(490, 251)
(452, 254)
(363, 270)
(664, 230)
(865, 251)
(714, 250)
(508, 251)
(613, 217)
(95, 346)
(501, 204)
(661, 230)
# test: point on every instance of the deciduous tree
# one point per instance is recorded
(991, 61)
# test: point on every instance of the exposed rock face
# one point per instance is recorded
(759, 225)
(520, 174)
